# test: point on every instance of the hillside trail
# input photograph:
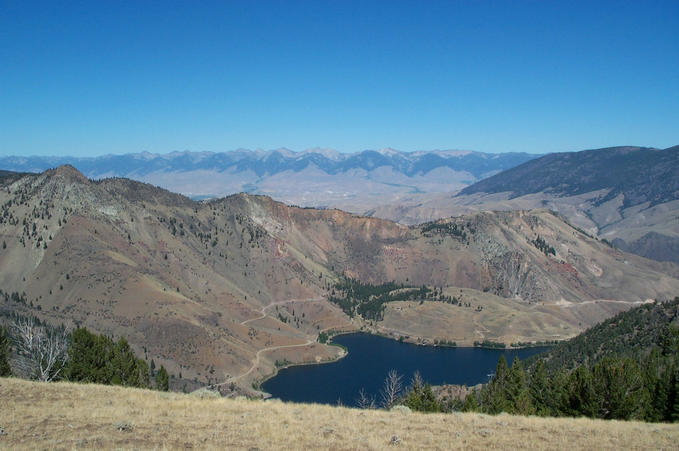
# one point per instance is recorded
(263, 310)
(263, 314)
(257, 358)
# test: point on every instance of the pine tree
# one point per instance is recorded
(540, 389)
(471, 403)
(518, 395)
(421, 398)
(656, 381)
(580, 395)
(5, 351)
(162, 379)
(494, 396)
(90, 358)
(619, 388)
(127, 368)
(673, 399)
(558, 399)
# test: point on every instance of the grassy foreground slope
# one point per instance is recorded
(66, 415)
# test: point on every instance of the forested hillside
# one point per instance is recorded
(633, 334)
(624, 368)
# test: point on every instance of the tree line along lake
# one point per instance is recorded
(369, 360)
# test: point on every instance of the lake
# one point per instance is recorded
(369, 360)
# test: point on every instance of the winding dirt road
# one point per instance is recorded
(273, 304)
(256, 362)
(263, 314)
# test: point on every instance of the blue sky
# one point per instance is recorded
(90, 78)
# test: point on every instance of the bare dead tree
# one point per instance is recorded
(364, 401)
(42, 353)
(393, 385)
(25, 337)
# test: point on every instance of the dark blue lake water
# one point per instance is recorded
(371, 358)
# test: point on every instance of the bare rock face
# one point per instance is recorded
(220, 290)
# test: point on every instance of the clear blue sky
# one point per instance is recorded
(96, 77)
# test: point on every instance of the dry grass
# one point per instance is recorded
(501, 319)
(66, 416)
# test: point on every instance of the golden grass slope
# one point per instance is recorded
(64, 416)
(484, 316)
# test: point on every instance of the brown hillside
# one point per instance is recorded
(219, 291)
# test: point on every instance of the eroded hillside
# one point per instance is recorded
(218, 291)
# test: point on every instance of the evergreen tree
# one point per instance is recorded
(619, 389)
(580, 394)
(540, 389)
(494, 397)
(5, 351)
(90, 358)
(127, 369)
(422, 399)
(471, 403)
(656, 381)
(97, 359)
(518, 396)
(162, 379)
(558, 400)
(673, 399)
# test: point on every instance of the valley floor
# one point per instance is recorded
(65, 415)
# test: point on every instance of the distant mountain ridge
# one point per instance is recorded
(272, 162)
(312, 178)
(640, 174)
(628, 195)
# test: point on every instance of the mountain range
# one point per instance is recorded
(313, 178)
(627, 195)
(220, 290)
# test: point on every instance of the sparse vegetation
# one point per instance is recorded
(543, 246)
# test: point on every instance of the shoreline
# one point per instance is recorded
(411, 340)
(290, 365)
(378, 334)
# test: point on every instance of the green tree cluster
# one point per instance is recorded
(368, 300)
(162, 379)
(323, 337)
(422, 400)
(612, 388)
(420, 396)
(98, 359)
